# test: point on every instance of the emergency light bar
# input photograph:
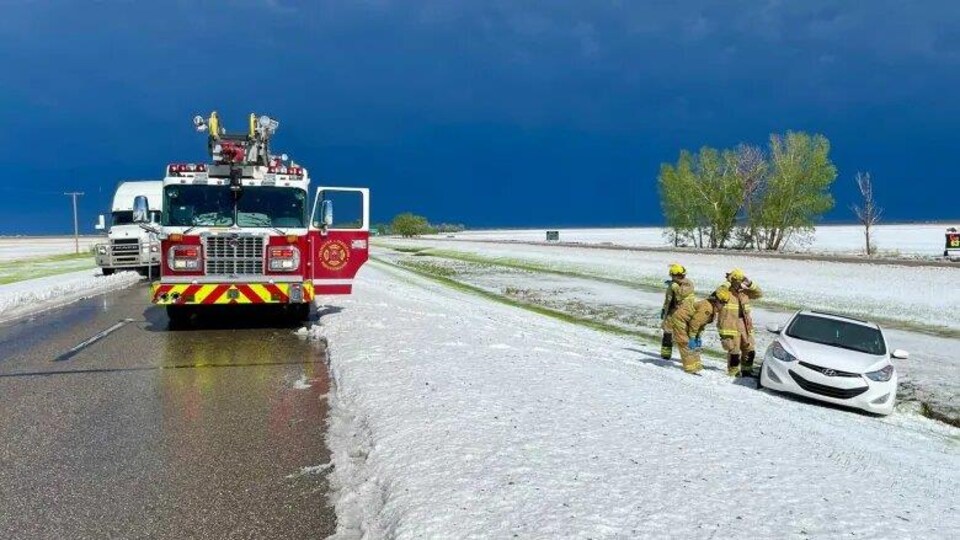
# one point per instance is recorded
(174, 169)
(293, 171)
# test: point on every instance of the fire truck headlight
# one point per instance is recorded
(154, 248)
(184, 258)
(284, 258)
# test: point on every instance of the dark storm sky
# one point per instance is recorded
(491, 113)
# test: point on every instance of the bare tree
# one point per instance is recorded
(868, 213)
(751, 167)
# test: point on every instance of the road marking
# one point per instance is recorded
(91, 340)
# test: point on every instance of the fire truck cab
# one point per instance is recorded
(245, 230)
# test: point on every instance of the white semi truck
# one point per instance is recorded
(129, 246)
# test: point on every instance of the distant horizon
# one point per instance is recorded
(945, 224)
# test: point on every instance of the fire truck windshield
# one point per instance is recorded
(272, 207)
(214, 206)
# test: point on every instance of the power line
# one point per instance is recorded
(76, 225)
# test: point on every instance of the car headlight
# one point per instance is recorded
(780, 353)
(102, 249)
(882, 375)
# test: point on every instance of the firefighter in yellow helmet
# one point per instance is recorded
(679, 290)
(736, 323)
(688, 322)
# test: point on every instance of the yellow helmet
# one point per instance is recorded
(677, 270)
(736, 275)
(722, 293)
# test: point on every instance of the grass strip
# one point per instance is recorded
(540, 310)
(650, 286)
(38, 267)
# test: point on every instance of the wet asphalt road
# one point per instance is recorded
(154, 433)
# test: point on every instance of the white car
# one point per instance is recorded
(834, 359)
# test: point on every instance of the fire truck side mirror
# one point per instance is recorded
(101, 223)
(141, 209)
(326, 213)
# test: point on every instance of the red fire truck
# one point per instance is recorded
(952, 248)
(241, 230)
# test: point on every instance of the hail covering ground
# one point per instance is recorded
(929, 376)
(923, 240)
(15, 247)
(32, 296)
(454, 416)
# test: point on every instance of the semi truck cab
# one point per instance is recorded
(129, 246)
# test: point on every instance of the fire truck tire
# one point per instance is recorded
(179, 315)
(299, 312)
(108, 271)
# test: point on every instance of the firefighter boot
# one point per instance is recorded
(733, 365)
(746, 369)
(666, 346)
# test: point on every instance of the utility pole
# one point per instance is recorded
(76, 228)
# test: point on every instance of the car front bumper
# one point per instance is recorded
(854, 392)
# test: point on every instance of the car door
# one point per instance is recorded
(338, 245)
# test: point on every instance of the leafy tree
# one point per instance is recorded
(701, 196)
(408, 225)
(796, 193)
(747, 197)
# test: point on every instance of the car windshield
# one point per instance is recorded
(837, 333)
(213, 206)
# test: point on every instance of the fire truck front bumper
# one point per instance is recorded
(195, 294)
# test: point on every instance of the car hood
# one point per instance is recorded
(834, 357)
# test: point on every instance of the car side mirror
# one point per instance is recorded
(141, 209)
(101, 223)
(326, 213)
(900, 354)
(774, 328)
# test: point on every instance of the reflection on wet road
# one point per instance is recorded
(149, 432)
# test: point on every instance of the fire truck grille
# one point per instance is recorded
(234, 255)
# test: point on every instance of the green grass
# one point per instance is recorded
(38, 267)
(425, 272)
(657, 286)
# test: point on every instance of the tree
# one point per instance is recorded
(796, 193)
(408, 225)
(675, 183)
(701, 196)
(751, 167)
(868, 213)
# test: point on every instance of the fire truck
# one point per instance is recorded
(241, 230)
(952, 248)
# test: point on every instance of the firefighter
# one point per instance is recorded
(679, 290)
(736, 324)
(688, 322)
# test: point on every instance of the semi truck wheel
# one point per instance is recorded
(108, 271)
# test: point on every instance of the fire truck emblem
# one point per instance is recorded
(334, 255)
